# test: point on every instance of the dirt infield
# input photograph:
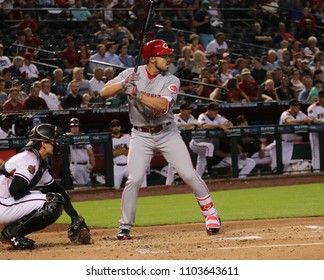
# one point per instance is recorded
(278, 239)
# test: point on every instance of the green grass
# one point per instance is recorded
(247, 204)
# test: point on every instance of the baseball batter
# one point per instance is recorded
(152, 92)
(316, 114)
(82, 160)
(291, 116)
(204, 148)
(120, 142)
(30, 199)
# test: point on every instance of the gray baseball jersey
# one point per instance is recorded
(166, 86)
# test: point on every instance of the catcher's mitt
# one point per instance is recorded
(78, 232)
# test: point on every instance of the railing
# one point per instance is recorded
(233, 133)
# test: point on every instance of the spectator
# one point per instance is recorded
(201, 22)
(19, 46)
(250, 87)
(96, 83)
(186, 61)
(120, 11)
(308, 82)
(307, 31)
(3, 94)
(99, 56)
(204, 148)
(73, 99)
(17, 63)
(139, 8)
(84, 85)
(32, 41)
(103, 33)
(7, 76)
(218, 45)
(296, 82)
(86, 101)
(239, 65)
(79, 13)
(265, 64)
(29, 70)
(272, 58)
(126, 59)
(259, 37)
(204, 89)
(82, 159)
(12, 104)
(200, 62)
(285, 91)
(311, 48)
(284, 44)
(234, 93)
(216, 15)
(109, 74)
(167, 34)
(70, 56)
(4, 60)
(286, 63)
(316, 114)
(307, 15)
(194, 44)
(22, 95)
(291, 116)
(223, 72)
(257, 72)
(33, 101)
(50, 98)
(84, 54)
(59, 88)
(111, 54)
(313, 94)
(184, 121)
(212, 62)
(106, 6)
(282, 34)
(28, 22)
(269, 91)
(118, 32)
(120, 146)
(181, 42)
(186, 86)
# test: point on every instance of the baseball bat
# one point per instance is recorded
(146, 27)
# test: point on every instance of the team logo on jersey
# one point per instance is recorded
(31, 169)
(173, 89)
(311, 111)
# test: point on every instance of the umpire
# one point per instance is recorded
(30, 199)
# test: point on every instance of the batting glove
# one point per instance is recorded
(133, 92)
(130, 80)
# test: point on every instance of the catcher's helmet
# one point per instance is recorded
(155, 48)
(74, 122)
(46, 133)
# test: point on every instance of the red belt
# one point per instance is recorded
(154, 129)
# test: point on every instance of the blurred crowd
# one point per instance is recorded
(60, 57)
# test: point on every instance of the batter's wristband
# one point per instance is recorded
(139, 95)
(123, 84)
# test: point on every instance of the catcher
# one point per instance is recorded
(30, 199)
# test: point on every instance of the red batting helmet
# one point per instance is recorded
(155, 48)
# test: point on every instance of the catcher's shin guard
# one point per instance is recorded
(39, 218)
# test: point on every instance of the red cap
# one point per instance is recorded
(28, 55)
(69, 39)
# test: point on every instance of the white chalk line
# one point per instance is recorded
(268, 246)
